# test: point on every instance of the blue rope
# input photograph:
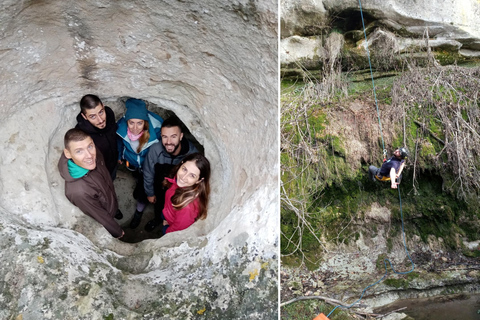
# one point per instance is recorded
(384, 263)
(398, 187)
(371, 75)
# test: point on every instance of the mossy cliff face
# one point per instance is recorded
(340, 138)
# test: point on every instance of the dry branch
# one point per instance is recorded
(424, 127)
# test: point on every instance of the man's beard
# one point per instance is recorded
(174, 149)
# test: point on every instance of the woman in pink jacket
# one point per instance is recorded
(186, 199)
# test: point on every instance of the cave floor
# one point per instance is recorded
(124, 185)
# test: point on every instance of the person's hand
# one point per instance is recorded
(152, 199)
(394, 185)
(120, 161)
(165, 223)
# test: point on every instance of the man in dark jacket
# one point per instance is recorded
(391, 169)
(87, 181)
(160, 160)
(99, 122)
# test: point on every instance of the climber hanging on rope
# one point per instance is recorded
(391, 169)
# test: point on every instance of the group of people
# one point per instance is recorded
(169, 171)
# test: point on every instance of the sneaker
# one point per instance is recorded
(137, 217)
(119, 215)
(151, 225)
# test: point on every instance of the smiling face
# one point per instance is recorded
(171, 138)
(136, 125)
(188, 174)
(97, 117)
(83, 153)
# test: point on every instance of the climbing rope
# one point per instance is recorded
(373, 83)
(322, 316)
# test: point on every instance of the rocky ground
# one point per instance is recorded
(435, 274)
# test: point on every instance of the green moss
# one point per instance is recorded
(380, 262)
(84, 289)
(64, 294)
(397, 283)
(426, 149)
(46, 243)
(317, 121)
(448, 58)
(335, 146)
(389, 244)
(412, 275)
(404, 33)
(472, 253)
(291, 87)
(361, 89)
(471, 226)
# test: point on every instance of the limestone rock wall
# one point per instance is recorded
(452, 22)
(214, 65)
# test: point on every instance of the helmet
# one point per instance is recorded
(403, 152)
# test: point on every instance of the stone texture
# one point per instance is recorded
(447, 18)
(378, 214)
(452, 25)
(214, 65)
(301, 49)
(470, 53)
(301, 17)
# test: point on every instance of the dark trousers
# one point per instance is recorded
(372, 172)
(164, 228)
(113, 174)
(139, 192)
(161, 171)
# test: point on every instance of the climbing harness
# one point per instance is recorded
(404, 154)
(383, 178)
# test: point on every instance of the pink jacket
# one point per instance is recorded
(178, 219)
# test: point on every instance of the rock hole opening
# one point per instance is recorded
(125, 182)
(351, 19)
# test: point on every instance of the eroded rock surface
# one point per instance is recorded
(212, 64)
(450, 25)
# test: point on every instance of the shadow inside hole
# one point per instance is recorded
(125, 184)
